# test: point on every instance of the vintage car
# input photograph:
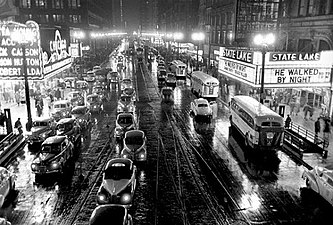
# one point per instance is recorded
(42, 128)
(54, 156)
(76, 98)
(320, 180)
(61, 109)
(125, 104)
(130, 92)
(94, 101)
(134, 146)
(126, 82)
(114, 77)
(71, 128)
(7, 184)
(161, 75)
(167, 94)
(124, 122)
(82, 115)
(170, 80)
(98, 89)
(201, 108)
(118, 214)
(82, 85)
(118, 182)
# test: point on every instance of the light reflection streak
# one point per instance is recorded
(177, 96)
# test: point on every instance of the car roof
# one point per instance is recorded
(134, 133)
(125, 114)
(79, 107)
(201, 100)
(65, 120)
(54, 139)
(114, 213)
(93, 95)
(125, 161)
(60, 102)
(42, 119)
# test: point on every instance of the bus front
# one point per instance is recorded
(269, 132)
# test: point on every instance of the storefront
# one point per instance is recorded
(288, 77)
(46, 52)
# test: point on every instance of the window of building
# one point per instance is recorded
(229, 18)
(25, 3)
(218, 37)
(322, 7)
(310, 7)
(302, 7)
(305, 45)
(75, 18)
(323, 45)
(222, 19)
(41, 3)
(58, 18)
(74, 4)
(44, 18)
(57, 4)
(223, 36)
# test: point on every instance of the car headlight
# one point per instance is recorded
(125, 155)
(55, 165)
(34, 166)
(118, 131)
(63, 113)
(142, 156)
(95, 106)
(125, 198)
(101, 198)
(43, 135)
(80, 120)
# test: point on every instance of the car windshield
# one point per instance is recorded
(163, 72)
(74, 95)
(51, 148)
(125, 120)
(92, 99)
(125, 98)
(60, 106)
(39, 124)
(127, 81)
(118, 171)
(64, 127)
(79, 111)
(136, 140)
(202, 105)
(128, 91)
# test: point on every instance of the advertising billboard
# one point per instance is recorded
(12, 37)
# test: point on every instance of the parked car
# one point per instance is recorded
(118, 182)
(118, 214)
(167, 94)
(7, 184)
(98, 89)
(76, 98)
(125, 104)
(42, 128)
(82, 84)
(170, 80)
(61, 109)
(161, 75)
(134, 146)
(124, 122)
(201, 107)
(71, 128)
(130, 92)
(94, 101)
(114, 77)
(320, 180)
(54, 156)
(82, 115)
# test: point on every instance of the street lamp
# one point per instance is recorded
(198, 36)
(177, 37)
(263, 41)
(23, 38)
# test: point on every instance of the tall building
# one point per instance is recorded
(306, 25)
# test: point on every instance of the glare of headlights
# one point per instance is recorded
(101, 197)
(33, 166)
(142, 155)
(125, 198)
(55, 165)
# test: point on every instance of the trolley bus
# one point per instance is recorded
(204, 85)
(261, 127)
(179, 68)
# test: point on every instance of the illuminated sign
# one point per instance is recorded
(294, 56)
(298, 76)
(55, 54)
(11, 52)
(239, 55)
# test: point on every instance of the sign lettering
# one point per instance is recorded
(294, 57)
(239, 55)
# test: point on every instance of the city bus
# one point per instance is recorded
(261, 127)
(178, 68)
(204, 85)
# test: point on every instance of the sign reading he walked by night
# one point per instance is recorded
(299, 69)
(56, 56)
(12, 36)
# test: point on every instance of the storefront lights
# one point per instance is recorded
(261, 39)
(198, 36)
(178, 36)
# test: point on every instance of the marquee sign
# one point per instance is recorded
(56, 54)
(239, 55)
(11, 52)
(283, 56)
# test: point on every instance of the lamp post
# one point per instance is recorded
(263, 41)
(198, 36)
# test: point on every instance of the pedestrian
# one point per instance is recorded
(327, 131)
(287, 122)
(18, 125)
(317, 129)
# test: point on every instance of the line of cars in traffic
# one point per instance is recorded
(116, 192)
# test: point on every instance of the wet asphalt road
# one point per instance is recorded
(176, 186)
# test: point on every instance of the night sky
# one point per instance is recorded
(132, 14)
